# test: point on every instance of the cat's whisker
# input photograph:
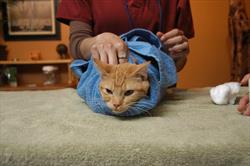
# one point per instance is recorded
(142, 109)
(147, 112)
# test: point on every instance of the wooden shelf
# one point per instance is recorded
(33, 62)
(29, 72)
(36, 87)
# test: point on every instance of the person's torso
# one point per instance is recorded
(120, 16)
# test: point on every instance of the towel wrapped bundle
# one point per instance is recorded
(144, 46)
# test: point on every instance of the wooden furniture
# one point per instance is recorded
(31, 77)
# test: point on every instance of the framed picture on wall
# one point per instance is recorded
(30, 20)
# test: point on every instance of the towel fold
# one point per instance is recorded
(144, 46)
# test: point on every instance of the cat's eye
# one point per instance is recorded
(128, 92)
(109, 91)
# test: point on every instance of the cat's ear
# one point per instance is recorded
(103, 68)
(141, 71)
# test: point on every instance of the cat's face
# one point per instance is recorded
(123, 84)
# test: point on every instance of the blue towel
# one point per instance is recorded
(144, 46)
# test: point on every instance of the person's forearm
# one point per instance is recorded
(80, 39)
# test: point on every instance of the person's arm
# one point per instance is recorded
(175, 36)
(107, 47)
(79, 31)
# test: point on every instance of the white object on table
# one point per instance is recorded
(225, 93)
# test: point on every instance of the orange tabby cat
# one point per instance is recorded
(123, 84)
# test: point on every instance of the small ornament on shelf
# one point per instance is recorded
(62, 50)
(50, 73)
(35, 55)
(11, 74)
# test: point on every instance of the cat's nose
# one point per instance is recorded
(116, 105)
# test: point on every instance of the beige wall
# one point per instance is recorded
(209, 60)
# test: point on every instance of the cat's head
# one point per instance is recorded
(122, 85)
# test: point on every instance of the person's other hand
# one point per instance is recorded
(245, 79)
(175, 43)
(109, 48)
(244, 105)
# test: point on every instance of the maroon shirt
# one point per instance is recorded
(112, 16)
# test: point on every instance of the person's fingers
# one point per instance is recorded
(175, 41)
(245, 79)
(113, 59)
(122, 57)
(247, 112)
(102, 53)
(122, 52)
(171, 34)
(179, 50)
(94, 52)
(112, 55)
(122, 60)
(177, 55)
(179, 47)
(159, 34)
(243, 104)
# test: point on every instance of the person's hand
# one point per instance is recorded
(175, 43)
(244, 105)
(109, 48)
(245, 79)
